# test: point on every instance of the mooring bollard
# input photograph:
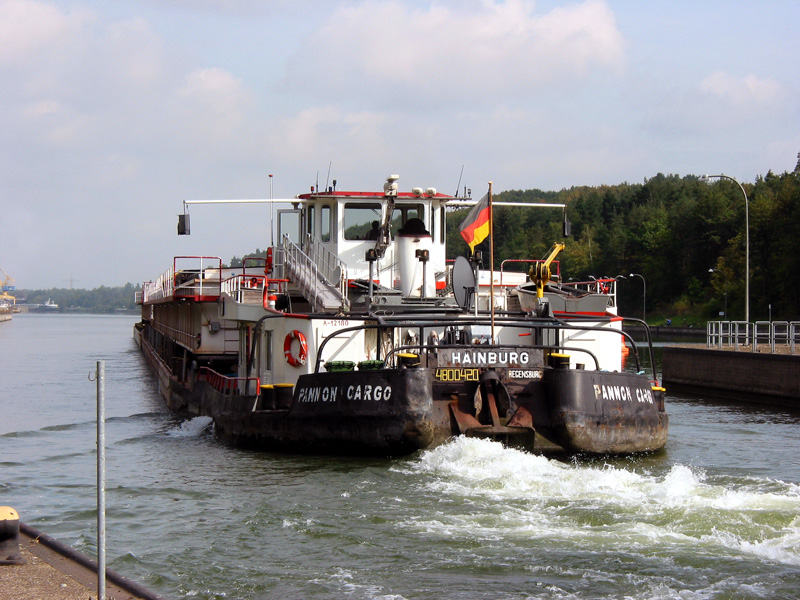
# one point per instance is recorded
(9, 537)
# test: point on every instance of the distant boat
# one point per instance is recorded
(47, 307)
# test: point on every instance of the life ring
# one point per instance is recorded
(300, 359)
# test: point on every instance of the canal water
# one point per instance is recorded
(715, 515)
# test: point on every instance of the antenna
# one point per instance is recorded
(271, 215)
(327, 179)
(458, 185)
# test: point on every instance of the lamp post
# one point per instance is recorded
(644, 295)
(747, 241)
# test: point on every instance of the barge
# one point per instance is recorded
(355, 335)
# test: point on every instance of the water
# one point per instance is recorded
(716, 515)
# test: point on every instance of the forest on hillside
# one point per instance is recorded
(686, 237)
(683, 237)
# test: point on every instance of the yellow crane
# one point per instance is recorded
(8, 286)
(540, 272)
(8, 281)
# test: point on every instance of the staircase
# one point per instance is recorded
(320, 275)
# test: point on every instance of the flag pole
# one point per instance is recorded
(491, 259)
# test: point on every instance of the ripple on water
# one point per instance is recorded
(713, 516)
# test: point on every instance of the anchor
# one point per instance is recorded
(485, 421)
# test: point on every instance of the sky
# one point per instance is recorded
(114, 112)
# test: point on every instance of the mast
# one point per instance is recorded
(491, 259)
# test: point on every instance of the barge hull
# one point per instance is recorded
(603, 413)
(401, 422)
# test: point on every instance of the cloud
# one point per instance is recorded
(29, 29)
(212, 104)
(233, 7)
(111, 113)
(134, 53)
(319, 133)
(72, 80)
(742, 91)
(441, 52)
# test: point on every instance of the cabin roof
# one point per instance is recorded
(337, 194)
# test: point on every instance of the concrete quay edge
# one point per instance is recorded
(759, 377)
(55, 571)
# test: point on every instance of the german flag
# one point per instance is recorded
(475, 227)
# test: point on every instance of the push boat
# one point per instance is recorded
(355, 335)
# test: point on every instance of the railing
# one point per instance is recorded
(557, 264)
(425, 345)
(159, 289)
(239, 285)
(230, 386)
(201, 279)
(331, 268)
(595, 286)
(187, 339)
(756, 336)
(728, 333)
(246, 287)
(320, 272)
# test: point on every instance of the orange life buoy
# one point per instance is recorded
(300, 359)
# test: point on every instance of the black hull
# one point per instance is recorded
(399, 411)
(386, 412)
(602, 413)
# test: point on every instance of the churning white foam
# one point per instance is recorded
(503, 493)
(192, 427)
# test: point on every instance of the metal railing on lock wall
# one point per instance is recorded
(758, 336)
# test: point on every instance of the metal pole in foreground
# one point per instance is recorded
(101, 480)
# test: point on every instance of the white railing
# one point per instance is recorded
(775, 334)
(728, 333)
(331, 268)
(239, 285)
(161, 288)
(320, 272)
(201, 279)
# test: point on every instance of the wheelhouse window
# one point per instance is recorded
(325, 223)
(310, 221)
(403, 213)
(360, 219)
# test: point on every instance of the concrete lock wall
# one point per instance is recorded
(766, 378)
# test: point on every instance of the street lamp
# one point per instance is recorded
(706, 178)
(644, 295)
